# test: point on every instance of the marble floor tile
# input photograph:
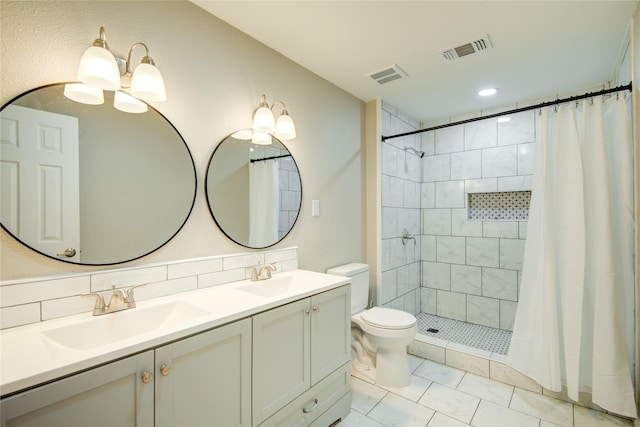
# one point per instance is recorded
(365, 396)
(585, 417)
(544, 407)
(448, 401)
(414, 362)
(356, 419)
(471, 401)
(486, 389)
(413, 391)
(493, 415)
(397, 411)
(441, 420)
(440, 374)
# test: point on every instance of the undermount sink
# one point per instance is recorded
(269, 288)
(109, 328)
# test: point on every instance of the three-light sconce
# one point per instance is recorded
(265, 125)
(99, 71)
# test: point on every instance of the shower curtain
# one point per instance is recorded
(264, 203)
(575, 316)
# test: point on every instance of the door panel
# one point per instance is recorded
(40, 150)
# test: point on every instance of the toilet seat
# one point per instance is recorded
(388, 318)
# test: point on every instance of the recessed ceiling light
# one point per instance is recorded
(488, 92)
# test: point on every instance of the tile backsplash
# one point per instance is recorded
(30, 301)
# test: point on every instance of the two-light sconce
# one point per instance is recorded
(265, 125)
(99, 70)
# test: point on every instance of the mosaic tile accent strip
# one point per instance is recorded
(469, 334)
(504, 205)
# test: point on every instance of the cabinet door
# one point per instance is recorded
(205, 380)
(110, 395)
(330, 331)
(281, 369)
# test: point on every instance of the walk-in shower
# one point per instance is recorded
(473, 181)
(462, 196)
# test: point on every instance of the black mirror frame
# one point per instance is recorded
(195, 190)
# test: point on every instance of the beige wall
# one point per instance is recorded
(635, 48)
(214, 77)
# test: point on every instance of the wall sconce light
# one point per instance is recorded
(264, 123)
(99, 70)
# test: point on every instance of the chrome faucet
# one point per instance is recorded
(120, 300)
(259, 272)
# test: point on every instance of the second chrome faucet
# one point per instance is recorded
(261, 272)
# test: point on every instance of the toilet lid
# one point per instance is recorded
(388, 318)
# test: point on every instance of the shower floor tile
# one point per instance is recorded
(469, 334)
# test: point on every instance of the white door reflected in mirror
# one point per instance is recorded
(40, 179)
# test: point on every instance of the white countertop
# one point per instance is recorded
(28, 358)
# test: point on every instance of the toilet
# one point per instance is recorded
(379, 336)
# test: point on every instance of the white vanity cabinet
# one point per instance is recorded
(283, 364)
(197, 381)
(301, 355)
(110, 395)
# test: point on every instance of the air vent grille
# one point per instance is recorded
(474, 46)
(388, 74)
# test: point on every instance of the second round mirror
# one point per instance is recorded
(254, 191)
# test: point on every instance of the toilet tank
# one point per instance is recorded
(359, 274)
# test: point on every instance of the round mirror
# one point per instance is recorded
(254, 191)
(89, 184)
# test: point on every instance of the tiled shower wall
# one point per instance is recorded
(290, 195)
(471, 268)
(401, 180)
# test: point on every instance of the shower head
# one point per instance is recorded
(414, 151)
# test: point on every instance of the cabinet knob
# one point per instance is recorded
(316, 308)
(165, 370)
(307, 311)
(147, 377)
(313, 408)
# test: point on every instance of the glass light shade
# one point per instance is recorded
(83, 93)
(285, 129)
(147, 84)
(98, 68)
(244, 134)
(261, 138)
(263, 121)
(127, 103)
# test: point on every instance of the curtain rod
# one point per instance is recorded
(270, 158)
(517, 110)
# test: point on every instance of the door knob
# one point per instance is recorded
(69, 253)
(147, 377)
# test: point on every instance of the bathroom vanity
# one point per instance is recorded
(274, 352)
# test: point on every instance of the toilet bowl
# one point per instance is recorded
(380, 336)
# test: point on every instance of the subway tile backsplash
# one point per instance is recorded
(30, 301)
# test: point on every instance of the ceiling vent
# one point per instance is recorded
(388, 74)
(468, 48)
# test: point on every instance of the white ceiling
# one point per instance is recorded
(540, 48)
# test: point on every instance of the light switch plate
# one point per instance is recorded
(315, 208)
